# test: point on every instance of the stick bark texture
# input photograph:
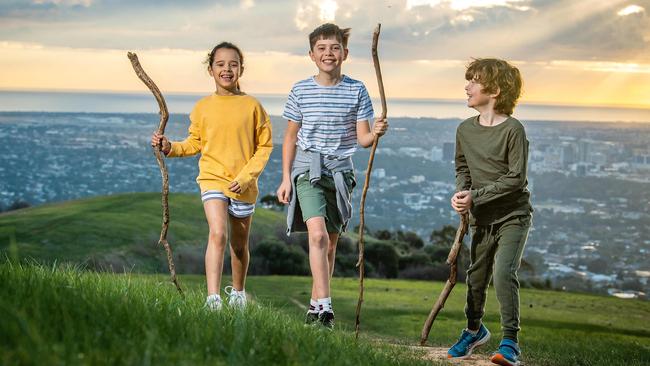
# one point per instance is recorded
(452, 261)
(366, 184)
(164, 116)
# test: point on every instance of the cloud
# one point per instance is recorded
(247, 4)
(529, 30)
(85, 3)
(630, 9)
(328, 10)
(461, 5)
(599, 66)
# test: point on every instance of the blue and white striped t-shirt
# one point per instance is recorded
(328, 115)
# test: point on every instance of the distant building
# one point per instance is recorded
(583, 151)
(641, 161)
(416, 201)
(417, 179)
(414, 152)
(568, 155)
(448, 151)
(436, 153)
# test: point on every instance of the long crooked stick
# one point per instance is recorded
(452, 260)
(360, 263)
(164, 115)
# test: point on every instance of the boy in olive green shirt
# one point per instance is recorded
(491, 162)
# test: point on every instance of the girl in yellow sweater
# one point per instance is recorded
(232, 131)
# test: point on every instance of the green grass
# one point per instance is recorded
(557, 328)
(63, 316)
(54, 315)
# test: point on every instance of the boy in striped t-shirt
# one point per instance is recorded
(328, 115)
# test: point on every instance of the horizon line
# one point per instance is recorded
(448, 100)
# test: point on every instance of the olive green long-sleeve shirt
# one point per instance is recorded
(491, 162)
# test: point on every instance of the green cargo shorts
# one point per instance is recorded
(320, 200)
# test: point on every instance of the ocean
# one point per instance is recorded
(94, 102)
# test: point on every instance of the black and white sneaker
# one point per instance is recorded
(311, 318)
(326, 319)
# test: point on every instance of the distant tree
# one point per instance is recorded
(416, 259)
(345, 245)
(271, 202)
(443, 237)
(383, 235)
(384, 258)
(411, 238)
(18, 204)
(436, 272)
(366, 230)
(441, 242)
(437, 253)
(272, 256)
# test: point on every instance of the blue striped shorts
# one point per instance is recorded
(236, 208)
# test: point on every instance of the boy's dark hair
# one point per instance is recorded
(329, 30)
(210, 58)
(497, 75)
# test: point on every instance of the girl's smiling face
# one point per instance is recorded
(226, 69)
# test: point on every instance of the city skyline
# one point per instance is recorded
(570, 52)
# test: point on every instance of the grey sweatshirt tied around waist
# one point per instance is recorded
(313, 162)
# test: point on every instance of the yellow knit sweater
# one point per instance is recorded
(233, 135)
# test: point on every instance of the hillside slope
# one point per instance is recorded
(118, 231)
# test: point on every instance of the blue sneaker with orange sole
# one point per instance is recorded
(468, 342)
(508, 354)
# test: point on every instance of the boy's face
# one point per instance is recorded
(328, 55)
(476, 97)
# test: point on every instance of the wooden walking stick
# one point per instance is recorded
(164, 115)
(360, 263)
(452, 260)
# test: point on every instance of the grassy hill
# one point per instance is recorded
(119, 231)
(55, 315)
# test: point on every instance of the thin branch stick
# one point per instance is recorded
(164, 115)
(452, 260)
(366, 184)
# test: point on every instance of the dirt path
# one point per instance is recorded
(440, 354)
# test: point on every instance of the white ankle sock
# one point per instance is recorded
(241, 293)
(325, 304)
(313, 306)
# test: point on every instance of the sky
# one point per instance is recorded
(577, 52)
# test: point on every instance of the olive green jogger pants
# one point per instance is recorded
(496, 251)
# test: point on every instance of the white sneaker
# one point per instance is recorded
(236, 299)
(213, 303)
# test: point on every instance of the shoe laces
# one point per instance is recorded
(466, 338)
(213, 303)
(235, 297)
